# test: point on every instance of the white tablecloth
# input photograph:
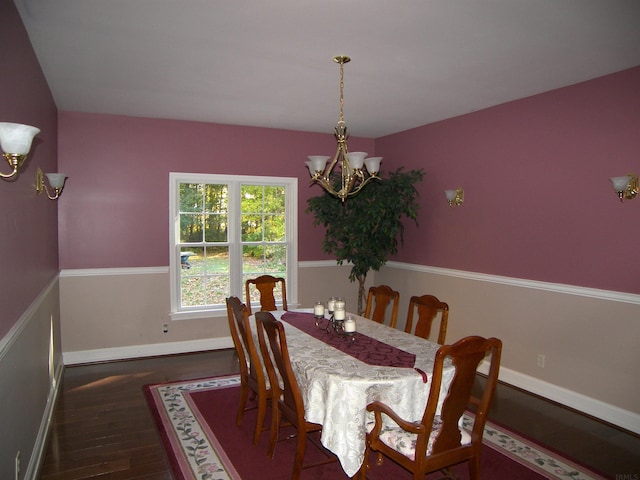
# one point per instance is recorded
(337, 388)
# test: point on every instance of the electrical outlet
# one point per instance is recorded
(165, 328)
(541, 360)
(18, 465)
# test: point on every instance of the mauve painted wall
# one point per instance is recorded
(28, 230)
(538, 201)
(114, 211)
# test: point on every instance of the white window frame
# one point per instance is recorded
(235, 247)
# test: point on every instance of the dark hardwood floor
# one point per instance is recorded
(102, 428)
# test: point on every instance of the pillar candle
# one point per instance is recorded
(349, 325)
(331, 305)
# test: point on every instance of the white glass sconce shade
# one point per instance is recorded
(620, 183)
(373, 164)
(16, 138)
(56, 180)
(317, 163)
(356, 159)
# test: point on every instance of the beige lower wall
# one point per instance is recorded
(318, 281)
(121, 308)
(115, 308)
(589, 338)
(589, 342)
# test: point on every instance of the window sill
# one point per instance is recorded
(196, 314)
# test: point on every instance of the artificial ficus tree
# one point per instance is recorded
(367, 228)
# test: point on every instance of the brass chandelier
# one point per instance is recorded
(356, 169)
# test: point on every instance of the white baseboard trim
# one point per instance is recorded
(151, 350)
(596, 408)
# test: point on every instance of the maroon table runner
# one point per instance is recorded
(364, 348)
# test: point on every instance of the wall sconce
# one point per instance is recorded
(626, 186)
(455, 197)
(56, 180)
(15, 140)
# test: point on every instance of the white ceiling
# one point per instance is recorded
(269, 63)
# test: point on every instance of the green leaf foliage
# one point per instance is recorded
(368, 228)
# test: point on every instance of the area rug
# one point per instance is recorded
(196, 420)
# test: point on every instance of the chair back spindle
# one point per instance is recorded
(267, 285)
(427, 307)
(378, 300)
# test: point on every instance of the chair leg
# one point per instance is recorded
(301, 446)
(244, 394)
(448, 474)
(362, 473)
(275, 426)
(262, 410)
(474, 467)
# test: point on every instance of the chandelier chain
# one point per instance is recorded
(341, 119)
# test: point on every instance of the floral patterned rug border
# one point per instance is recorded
(203, 458)
(526, 452)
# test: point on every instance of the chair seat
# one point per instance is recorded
(405, 442)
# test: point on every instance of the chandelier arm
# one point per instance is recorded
(362, 184)
(330, 166)
(350, 180)
(359, 174)
(325, 184)
(345, 177)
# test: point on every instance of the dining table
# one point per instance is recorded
(340, 373)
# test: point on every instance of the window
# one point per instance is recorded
(224, 230)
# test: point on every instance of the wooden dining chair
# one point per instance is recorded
(428, 307)
(290, 405)
(267, 286)
(252, 372)
(437, 441)
(378, 300)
